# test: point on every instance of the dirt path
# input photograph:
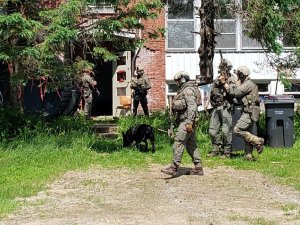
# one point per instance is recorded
(101, 196)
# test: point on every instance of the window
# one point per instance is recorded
(246, 41)
(293, 88)
(227, 31)
(181, 24)
(103, 3)
(232, 27)
(288, 38)
(172, 88)
(101, 6)
(263, 86)
(225, 24)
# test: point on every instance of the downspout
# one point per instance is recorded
(136, 52)
(133, 62)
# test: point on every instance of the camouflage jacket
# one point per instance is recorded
(218, 95)
(184, 103)
(87, 84)
(140, 85)
(246, 93)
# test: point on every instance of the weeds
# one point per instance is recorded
(33, 152)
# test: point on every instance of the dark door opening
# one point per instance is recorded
(102, 105)
(4, 83)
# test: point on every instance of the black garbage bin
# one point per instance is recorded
(238, 143)
(280, 120)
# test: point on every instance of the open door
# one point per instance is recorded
(121, 82)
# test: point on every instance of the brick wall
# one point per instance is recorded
(152, 58)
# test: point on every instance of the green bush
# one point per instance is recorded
(17, 125)
(297, 123)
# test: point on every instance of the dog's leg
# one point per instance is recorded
(138, 146)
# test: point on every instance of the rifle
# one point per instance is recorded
(171, 128)
(223, 67)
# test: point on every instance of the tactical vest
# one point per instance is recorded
(251, 100)
(217, 95)
(179, 106)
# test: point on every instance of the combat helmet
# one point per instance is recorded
(226, 63)
(182, 77)
(140, 71)
(244, 70)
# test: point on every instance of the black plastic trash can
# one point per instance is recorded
(238, 143)
(280, 121)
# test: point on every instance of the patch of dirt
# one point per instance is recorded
(119, 196)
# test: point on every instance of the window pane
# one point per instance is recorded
(224, 9)
(225, 26)
(226, 41)
(173, 88)
(248, 42)
(180, 9)
(293, 88)
(121, 91)
(263, 87)
(179, 34)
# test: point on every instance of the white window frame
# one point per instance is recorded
(193, 20)
(268, 82)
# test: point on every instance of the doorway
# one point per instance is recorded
(103, 75)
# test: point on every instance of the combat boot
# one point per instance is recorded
(260, 146)
(198, 170)
(213, 154)
(225, 156)
(171, 170)
(249, 157)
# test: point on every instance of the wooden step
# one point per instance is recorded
(107, 135)
(105, 128)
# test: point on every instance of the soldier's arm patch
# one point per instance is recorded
(189, 92)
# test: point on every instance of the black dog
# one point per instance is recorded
(138, 134)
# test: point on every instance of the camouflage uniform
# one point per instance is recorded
(185, 110)
(247, 95)
(87, 85)
(140, 85)
(220, 127)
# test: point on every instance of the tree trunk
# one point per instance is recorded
(207, 46)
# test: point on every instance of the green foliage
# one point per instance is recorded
(16, 125)
(297, 123)
(37, 40)
(268, 20)
(275, 25)
(41, 151)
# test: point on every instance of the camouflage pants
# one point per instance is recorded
(242, 129)
(220, 129)
(88, 99)
(137, 99)
(188, 140)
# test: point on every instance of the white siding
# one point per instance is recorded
(255, 61)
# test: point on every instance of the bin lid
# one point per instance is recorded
(279, 99)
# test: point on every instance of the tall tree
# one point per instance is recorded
(37, 39)
(275, 24)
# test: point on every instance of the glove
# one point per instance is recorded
(222, 79)
(189, 128)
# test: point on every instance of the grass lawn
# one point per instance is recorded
(27, 164)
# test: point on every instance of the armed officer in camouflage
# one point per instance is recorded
(247, 94)
(220, 127)
(140, 86)
(88, 84)
(185, 110)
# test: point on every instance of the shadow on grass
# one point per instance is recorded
(105, 145)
